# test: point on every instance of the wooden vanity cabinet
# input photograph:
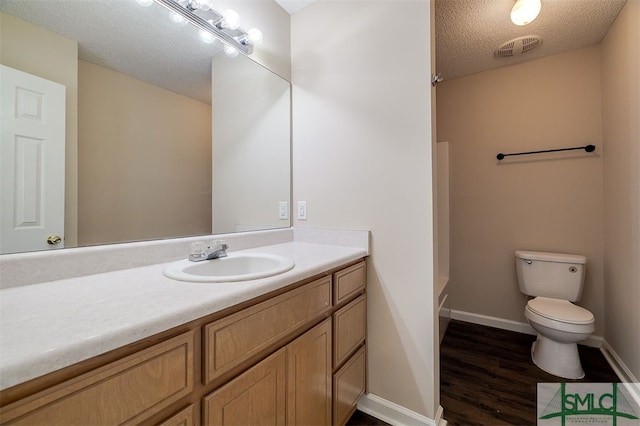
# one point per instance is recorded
(296, 358)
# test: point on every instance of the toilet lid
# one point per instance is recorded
(560, 310)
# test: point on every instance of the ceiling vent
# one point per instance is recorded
(518, 46)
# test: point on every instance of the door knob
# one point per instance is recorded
(53, 240)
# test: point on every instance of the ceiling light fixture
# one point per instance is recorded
(221, 26)
(525, 11)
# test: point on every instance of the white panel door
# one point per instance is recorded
(32, 156)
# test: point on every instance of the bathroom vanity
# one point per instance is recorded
(277, 352)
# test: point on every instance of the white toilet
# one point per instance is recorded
(555, 280)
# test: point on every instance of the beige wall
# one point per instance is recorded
(548, 202)
(144, 160)
(34, 50)
(362, 157)
(621, 129)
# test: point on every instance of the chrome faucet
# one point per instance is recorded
(200, 252)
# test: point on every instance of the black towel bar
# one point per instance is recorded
(588, 148)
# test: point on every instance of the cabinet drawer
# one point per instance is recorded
(126, 391)
(238, 337)
(348, 385)
(349, 282)
(349, 329)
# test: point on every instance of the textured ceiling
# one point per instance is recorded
(469, 31)
(124, 36)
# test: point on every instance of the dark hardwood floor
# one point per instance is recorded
(487, 376)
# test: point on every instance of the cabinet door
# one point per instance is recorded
(256, 397)
(309, 377)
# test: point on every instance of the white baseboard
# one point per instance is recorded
(395, 414)
(631, 382)
(439, 420)
(505, 324)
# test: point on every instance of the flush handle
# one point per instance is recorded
(53, 240)
(573, 269)
(527, 261)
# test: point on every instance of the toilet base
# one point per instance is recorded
(559, 359)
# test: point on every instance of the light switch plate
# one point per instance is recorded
(283, 212)
(302, 210)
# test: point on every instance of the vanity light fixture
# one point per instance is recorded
(214, 25)
(525, 11)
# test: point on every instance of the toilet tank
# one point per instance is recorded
(556, 275)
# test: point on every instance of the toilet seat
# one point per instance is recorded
(560, 310)
(560, 315)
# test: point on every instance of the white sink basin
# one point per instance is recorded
(234, 267)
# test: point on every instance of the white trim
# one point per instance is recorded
(441, 308)
(505, 324)
(622, 371)
(439, 420)
(395, 414)
(495, 322)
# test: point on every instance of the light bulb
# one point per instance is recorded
(206, 5)
(230, 19)
(193, 4)
(525, 11)
(178, 19)
(230, 51)
(145, 3)
(254, 36)
(207, 37)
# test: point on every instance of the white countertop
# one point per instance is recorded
(48, 326)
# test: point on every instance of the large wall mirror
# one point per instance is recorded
(164, 135)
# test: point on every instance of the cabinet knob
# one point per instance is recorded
(54, 239)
